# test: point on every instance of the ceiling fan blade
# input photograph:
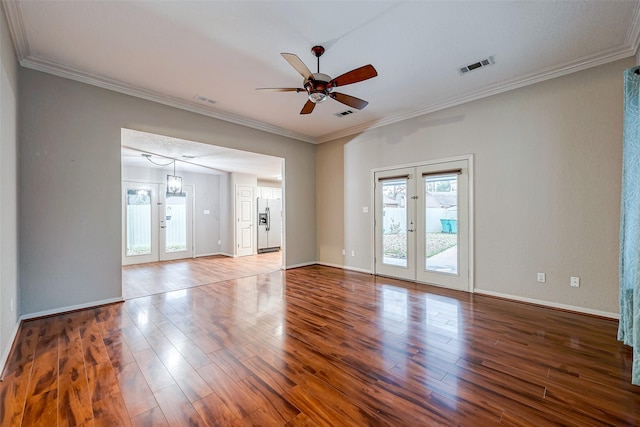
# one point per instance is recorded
(281, 89)
(297, 64)
(349, 100)
(308, 107)
(354, 76)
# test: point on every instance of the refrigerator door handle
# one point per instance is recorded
(268, 218)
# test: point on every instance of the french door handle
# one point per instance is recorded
(163, 226)
(410, 230)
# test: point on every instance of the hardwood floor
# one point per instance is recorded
(318, 346)
(156, 277)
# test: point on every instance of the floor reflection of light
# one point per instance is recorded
(279, 330)
(442, 314)
(142, 319)
(176, 295)
(172, 359)
(394, 304)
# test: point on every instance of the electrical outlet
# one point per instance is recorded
(542, 277)
(575, 282)
(219, 242)
(344, 252)
(353, 253)
(12, 305)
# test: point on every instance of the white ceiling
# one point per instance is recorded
(169, 51)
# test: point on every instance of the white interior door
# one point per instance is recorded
(422, 223)
(175, 218)
(244, 221)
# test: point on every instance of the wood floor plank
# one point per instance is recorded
(137, 396)
(151, 418)
(316, 346)
(110, 412)
(153, 370)
(74, 399)
(41, 409)
(268, 400)
(176, 407)
(215, 412)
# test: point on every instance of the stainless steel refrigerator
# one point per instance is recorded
(269, 225)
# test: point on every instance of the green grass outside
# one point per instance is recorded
(395, 245)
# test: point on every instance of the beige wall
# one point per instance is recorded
(330, 203)
(70, 185)
(9, 294)
(547, 185)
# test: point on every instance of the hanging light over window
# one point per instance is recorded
(174, 182)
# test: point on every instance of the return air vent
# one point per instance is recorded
(204, 99)
(476, 65)
(344, 113)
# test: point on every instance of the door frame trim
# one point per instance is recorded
(471, 190)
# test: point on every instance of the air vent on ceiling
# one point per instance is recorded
(344, 113)
(204, 99)
(476, 65)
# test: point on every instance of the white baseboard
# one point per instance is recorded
(204, 255)
(304, 264)
(328, 264)
(7, 350)
(549, 304)
(358, 270)
(345, 267)
(70, 308)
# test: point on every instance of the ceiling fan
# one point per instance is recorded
(320, 86)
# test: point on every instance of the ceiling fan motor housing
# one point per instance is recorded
(318, 87)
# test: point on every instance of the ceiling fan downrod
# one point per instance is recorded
(318, 51)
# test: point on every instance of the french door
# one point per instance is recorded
(156, 226)
(422, 223)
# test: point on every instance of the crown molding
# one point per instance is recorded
(18, 34)
(71, 73)
(633, 35)
(571, 67)
(16, 28)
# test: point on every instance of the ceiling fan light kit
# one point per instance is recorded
(319, 86)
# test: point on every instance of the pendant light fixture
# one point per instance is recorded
(174, 182)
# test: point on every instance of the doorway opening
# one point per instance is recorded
(179, 239)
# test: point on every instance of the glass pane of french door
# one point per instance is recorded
(441, 223)
(139, 218)
(395, 223)
(176, 224)
(138, 221)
